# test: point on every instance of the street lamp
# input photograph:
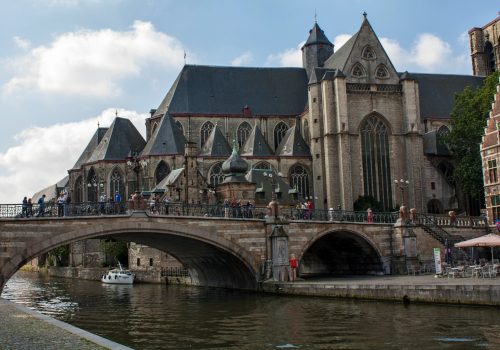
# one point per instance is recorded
(272, 179)
(402, 184)
(135, 163)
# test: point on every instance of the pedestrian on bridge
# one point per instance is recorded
(24, 211)
(41, 206)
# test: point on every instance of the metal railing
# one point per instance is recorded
(174, 271)
(61, 209)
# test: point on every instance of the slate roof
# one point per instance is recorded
(437, 92)
(317, 36)
(166, 139)
(216, 145)
(120, 139)
(226, 90)
(52, 192)
(339, 57)
(256, 145)
(293, 145)
(92, 145)
(170, 179)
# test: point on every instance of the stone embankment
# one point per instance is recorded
(23, 329)
(425, 289)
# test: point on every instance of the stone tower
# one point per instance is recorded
(485, 48)
(316, 50)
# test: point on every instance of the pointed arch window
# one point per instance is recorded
(179, 125)
(78, 190)
(358, 71)
(161, 172)
(243, 131)
(216, 175)
(299, 180)
(92, 186)
(376, 160)
(116, 184)
(205, 131)
(306, 135)
(381, 72)
(490, 56)
(279, 132)
(368, 53)
(263, 166)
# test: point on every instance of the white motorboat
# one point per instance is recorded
(118, 276)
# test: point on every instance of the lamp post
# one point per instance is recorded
(402, 184)
(135, 163)
(273, 180)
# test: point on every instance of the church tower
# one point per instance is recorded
(316, 50)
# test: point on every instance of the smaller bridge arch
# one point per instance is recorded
(340, 252)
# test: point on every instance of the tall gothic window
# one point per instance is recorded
(490, 56)
(78, 191)
(307, 135)
(161, 172)
(243, 131)
(376, 161)
(92, 186)
(179, 125)
(116, 184)
(216, 175)
(205, 131)
(299, 179)
(279, 132)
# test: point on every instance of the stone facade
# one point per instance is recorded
(485, 48)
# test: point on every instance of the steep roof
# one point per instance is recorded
(120, 139)
(169, 180)
(52, 192)
(293, 145)
(339, 57)
(92, 145)
(216, 145)
(317, 36)
(256, 145)
(437, 92)
(225, 90)
(166, 139)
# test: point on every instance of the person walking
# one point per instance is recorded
(24, 210)
(293, 267)
(41, 206)
(29, 208)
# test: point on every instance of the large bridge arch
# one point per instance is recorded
(340, 252)
(211, 258)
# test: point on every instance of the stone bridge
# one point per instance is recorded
(222, 252)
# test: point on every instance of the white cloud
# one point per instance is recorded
(93, 63)
(287, 58)
(22, 43)
(243, 59)
(43, 155)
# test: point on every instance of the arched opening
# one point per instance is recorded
(340, 253)
(279, 132)
(263, 166)
(243, 131)
(161, 172)
(299, 180)
(117, 184)
(216, 176)
(78, 190)
(490, 56)
(92, 186)
(375, 157)
(434, 206)
(205, 131)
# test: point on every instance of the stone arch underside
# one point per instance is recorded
(340, 253)
(210, 262)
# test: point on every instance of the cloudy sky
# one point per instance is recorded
(66, 65)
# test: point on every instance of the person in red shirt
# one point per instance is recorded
(293, 267)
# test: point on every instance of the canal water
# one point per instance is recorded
(147, 316)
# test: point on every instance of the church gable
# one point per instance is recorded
(363, 59)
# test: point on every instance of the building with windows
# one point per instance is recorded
(485, 48)
(343, 126)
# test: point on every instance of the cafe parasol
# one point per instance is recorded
(490, 240)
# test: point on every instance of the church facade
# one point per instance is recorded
(344, 126)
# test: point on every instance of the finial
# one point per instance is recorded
(365, 14)
(315, 17)
(98, 125)
(184, 57)
(116, 112)
(235, 147)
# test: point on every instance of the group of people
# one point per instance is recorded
(110, 205)
(27, 207)
(305, 210)
(234, 208)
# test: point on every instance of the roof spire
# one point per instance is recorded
(98, 125)
(365, 14)
(315, 16)
(116, 113)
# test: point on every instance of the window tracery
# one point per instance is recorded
(243, 132)
(279, 132)
(358, 71)
(205, 131)
(216, 175)
(299, 179)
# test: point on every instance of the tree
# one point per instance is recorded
(115, 250)
(468, 120)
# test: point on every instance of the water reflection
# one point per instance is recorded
(176, 317)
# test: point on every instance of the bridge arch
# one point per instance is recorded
(212, 260)
(340, 252)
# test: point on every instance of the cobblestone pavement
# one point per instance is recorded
(22, 329)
